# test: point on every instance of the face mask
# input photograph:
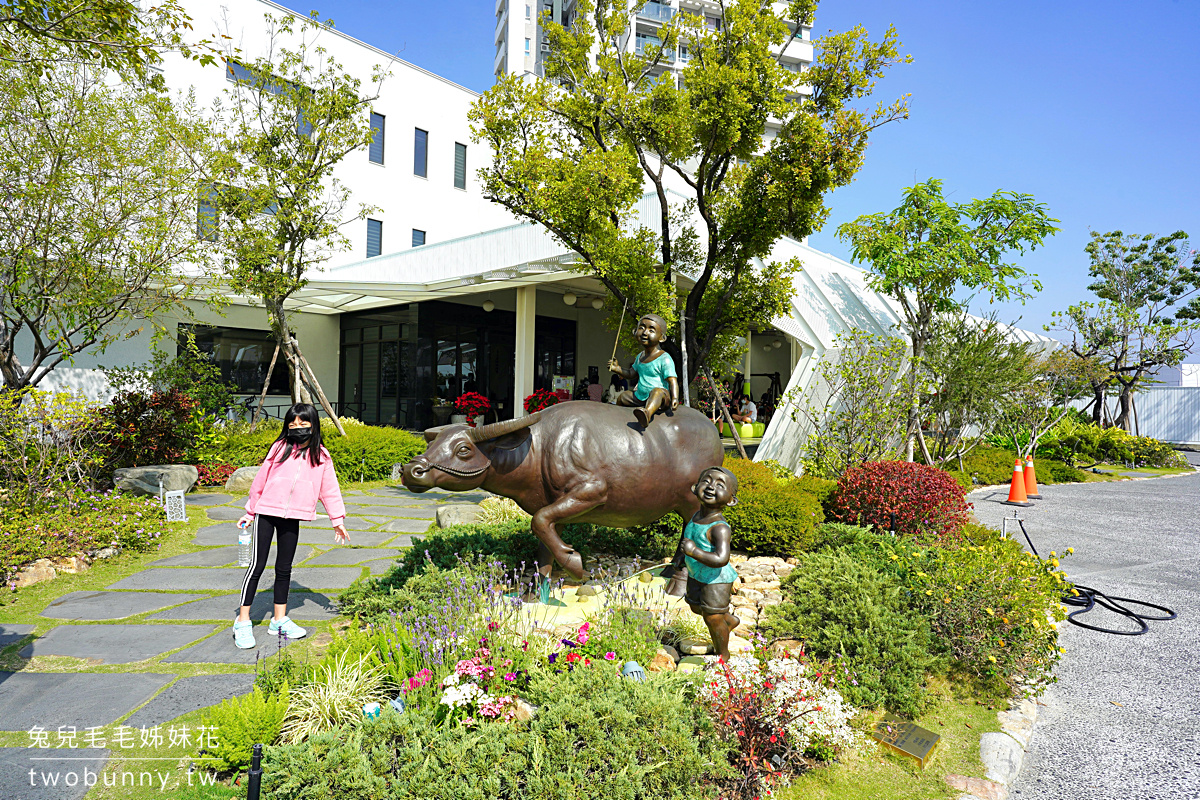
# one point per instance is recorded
(299, 434)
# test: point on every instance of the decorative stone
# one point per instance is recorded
(739, 645)
(785, 570)
(587, 591)
(978, 787)
(523, 712)
(113, 644)
(457, 514)
(38, 571)
(671, 651)
(145, 480)
(691, 664)
(662, 662)
(772, 598)
(108, 552)
(695, 647)
(241, 479)
(71, 565)
(1016, 725)
(752, 594)
(782, 646)
(1002, 757)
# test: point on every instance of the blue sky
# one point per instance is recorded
(1091, 107)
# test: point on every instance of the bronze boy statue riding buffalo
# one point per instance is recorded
(575, 462)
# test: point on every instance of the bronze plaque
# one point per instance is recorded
(906, 738)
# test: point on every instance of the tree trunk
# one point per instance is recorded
(262, 398)
(1123, 416)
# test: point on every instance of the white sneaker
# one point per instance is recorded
(243, 634)
(288, 628)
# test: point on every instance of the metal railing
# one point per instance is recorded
(656, 11)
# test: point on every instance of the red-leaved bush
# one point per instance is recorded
(215, 473)
(928, 502)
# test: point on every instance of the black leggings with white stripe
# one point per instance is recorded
(288, 533)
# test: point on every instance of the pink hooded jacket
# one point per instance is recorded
(291, 489)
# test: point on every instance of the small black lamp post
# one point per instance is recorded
(254, 779)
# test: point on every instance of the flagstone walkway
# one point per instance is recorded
(179, 610)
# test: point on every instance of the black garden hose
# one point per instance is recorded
(1088, 598)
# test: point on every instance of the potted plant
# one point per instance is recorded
(471, 406)
(442, 409)
(539, 400)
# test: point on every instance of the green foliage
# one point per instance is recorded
(988, 603)
(51, 446)
(820, 488)
(147, 427)
(239, 724)
(575, 153)
(191, 371)
(973, 368)
(1147, 316)
(855, 412)
(366, 452)
(495, 510)
(846, 609)
(100, 180)
(1075, 442)
(334, 696)
(772, 517)
(595, 734)
(77, 523)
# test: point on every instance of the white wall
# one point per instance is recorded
(410, 98)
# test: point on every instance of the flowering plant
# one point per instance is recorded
(472, 404)
(782, 714)
(539, 400)
(473, 689)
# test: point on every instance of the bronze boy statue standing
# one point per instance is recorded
(654, 369)
(705, 546)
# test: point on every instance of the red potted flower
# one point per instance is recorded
(539, 400)
(473, 406)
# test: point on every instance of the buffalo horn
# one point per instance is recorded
(498, 429)
(432, 433)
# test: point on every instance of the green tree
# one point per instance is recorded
(576, 153)
(927, 250)
(277, 209)
(1058, 379)
(973, 368)
(855, 413)
(100, 182)
(1147, 316)
(117, 35)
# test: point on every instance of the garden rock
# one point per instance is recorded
(739, 645)
(692, 664)
(661, 662)
(523, 712)
(781, 646)
(72, 565)
(145, 480)
(457, 514)
(694, 647)
(1017, 724)
(241, 479)
(108, 552)
(1001, 756)
(978, 787)
(587, 591)
(38, 571)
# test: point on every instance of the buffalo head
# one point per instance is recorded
(455, 458)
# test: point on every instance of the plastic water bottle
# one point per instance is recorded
(244, 546)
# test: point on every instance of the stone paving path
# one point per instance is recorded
(183, 606)
(1123, 720)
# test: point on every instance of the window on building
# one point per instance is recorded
(460, 166)
(374, 238)
(206, 214)
(376, 148)
(241, 74)
(421, 153)
(242, 354)
(418, 238)
(713, 23)
(528, 11)
(526, 47)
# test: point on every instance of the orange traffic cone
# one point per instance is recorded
(1031, 487)
(1016, 492)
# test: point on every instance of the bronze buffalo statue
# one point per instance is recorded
(577, 461)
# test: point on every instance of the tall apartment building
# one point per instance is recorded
(521, 45)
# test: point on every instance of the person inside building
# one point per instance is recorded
(747, 412)
(615, 387)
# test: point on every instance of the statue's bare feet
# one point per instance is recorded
(732, 620)
(640, 413)
(572, 562)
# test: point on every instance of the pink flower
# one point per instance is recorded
(510, 677)
(584, 627)
(610, 656)
(582, 638)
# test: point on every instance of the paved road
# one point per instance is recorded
(1138, 539)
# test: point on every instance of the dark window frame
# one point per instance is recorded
(415, 243)
(460, 169)
(378, 235)
(421, 152)
(377, 139)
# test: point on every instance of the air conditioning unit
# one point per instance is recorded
(545, 47)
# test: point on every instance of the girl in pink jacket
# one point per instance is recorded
(297, 472)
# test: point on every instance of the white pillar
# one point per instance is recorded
(749, 367)
(797, 351)
(523, 367)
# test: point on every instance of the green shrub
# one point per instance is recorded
(240, 723)
(820, 488)
(988, 603)
(334, 696)
(773, 516)
(991, 465)
(1050, 471)
(595, 734)
(844, 608)
(80, 523)
(494, 510)
(366, 452)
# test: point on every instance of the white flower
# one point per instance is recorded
(450, 679)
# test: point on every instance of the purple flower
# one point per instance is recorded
(553, 658)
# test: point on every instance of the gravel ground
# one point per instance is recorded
(1123, 721)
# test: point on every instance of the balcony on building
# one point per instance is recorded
(656, 12)
(643, 41)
